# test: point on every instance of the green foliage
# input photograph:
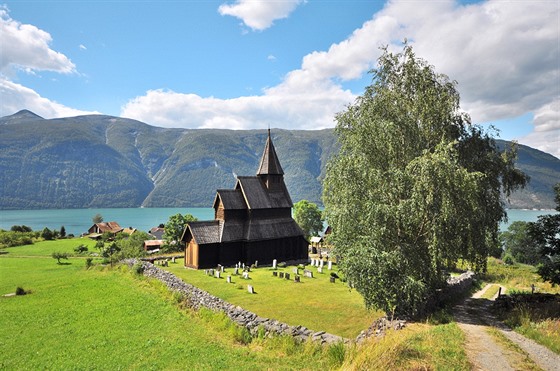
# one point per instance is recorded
(518, 243)
(47, 234)
(80, 249)
(414, 188)
(174, 230)
(308, 216)
(336, 353)
(545, 233)
(508, 259)
(15, 238)
(62, 232)
(59, 255)
(21, 228)
(89, 263)
(97, 218)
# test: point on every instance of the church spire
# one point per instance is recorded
(269, 162)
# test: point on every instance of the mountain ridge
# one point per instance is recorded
(107, 161)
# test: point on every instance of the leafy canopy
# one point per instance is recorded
(415, 186)
(174, 230)
(545, 233)
(308, 216)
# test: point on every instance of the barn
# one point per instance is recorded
(252, 222)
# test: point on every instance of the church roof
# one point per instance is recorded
(269, 161)
(232, 199)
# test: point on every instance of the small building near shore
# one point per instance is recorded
(252, 222)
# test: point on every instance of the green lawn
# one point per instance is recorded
(109, 319)
(314, 302)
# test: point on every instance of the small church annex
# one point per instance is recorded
(252, 222)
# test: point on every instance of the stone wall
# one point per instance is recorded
(199, 298)
(456, 286)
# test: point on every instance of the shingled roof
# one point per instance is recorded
(269, 161)
(204, 232)
(232, 199)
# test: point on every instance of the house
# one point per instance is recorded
(157, 232)
(252, 222)
(103, 227)
(153, 245)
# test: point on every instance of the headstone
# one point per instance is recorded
(296, 278)
(332, 279)
(287, 275)
(320, 269)
(321, 263)
(250, 289)
(274, 262)
(246, 275)
(329, 266)
(312, 262)
(222, 268)
(228, 279)
(236, 271)
(256, 263)
(239, 265)
(173, 260)
(308, 273)
(217, 274)
(243, 265)
(275, 274)
(281, 274)
(296, 271)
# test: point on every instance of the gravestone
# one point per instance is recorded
(281, 274)
(275, 274)
(296, 278)
(312, 262)
(287, 275)
(274, 262)
(250, 289)
(320, 269)
(236, 271)
(217, 274)
(321, 263)
(332, 279)
(228, 279)
(308, 273)
(256, 263)
(329, 266)
(246, 275)
(222, 268)
(173, 260)
(296, 271)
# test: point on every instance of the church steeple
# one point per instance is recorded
(269, 161)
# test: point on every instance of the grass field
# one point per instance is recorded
(109, 319)
(314, 302)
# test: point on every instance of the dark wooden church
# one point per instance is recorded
(252, 222)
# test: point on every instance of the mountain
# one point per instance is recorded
(105, 161)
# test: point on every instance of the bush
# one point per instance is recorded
(80, 249)
(20, 291)
(336, 353)
(282, 265)
(138, 268)
(508, 260)
(89, 263)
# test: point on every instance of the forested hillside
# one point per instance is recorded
(104, 161)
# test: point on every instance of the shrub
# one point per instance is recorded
(138, 268)
(508, 259)
(20, 291)
(282, 265)
(80, 249)
(89, 263)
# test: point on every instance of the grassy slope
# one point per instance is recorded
(314, 303)
(106, 319)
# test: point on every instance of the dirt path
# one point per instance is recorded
(475, 319)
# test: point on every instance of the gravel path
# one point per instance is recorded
(474, 318)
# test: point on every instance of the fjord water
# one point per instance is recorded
(78, 221)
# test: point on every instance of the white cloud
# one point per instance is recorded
(82, 47)
(26, 47)
(546, 135)
(259, 14)
(16, 97)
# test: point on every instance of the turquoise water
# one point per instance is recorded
(77, 221)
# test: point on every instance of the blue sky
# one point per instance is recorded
(289, 63)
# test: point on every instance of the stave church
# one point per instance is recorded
(252, 222)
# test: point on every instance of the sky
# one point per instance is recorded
(291, 64)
